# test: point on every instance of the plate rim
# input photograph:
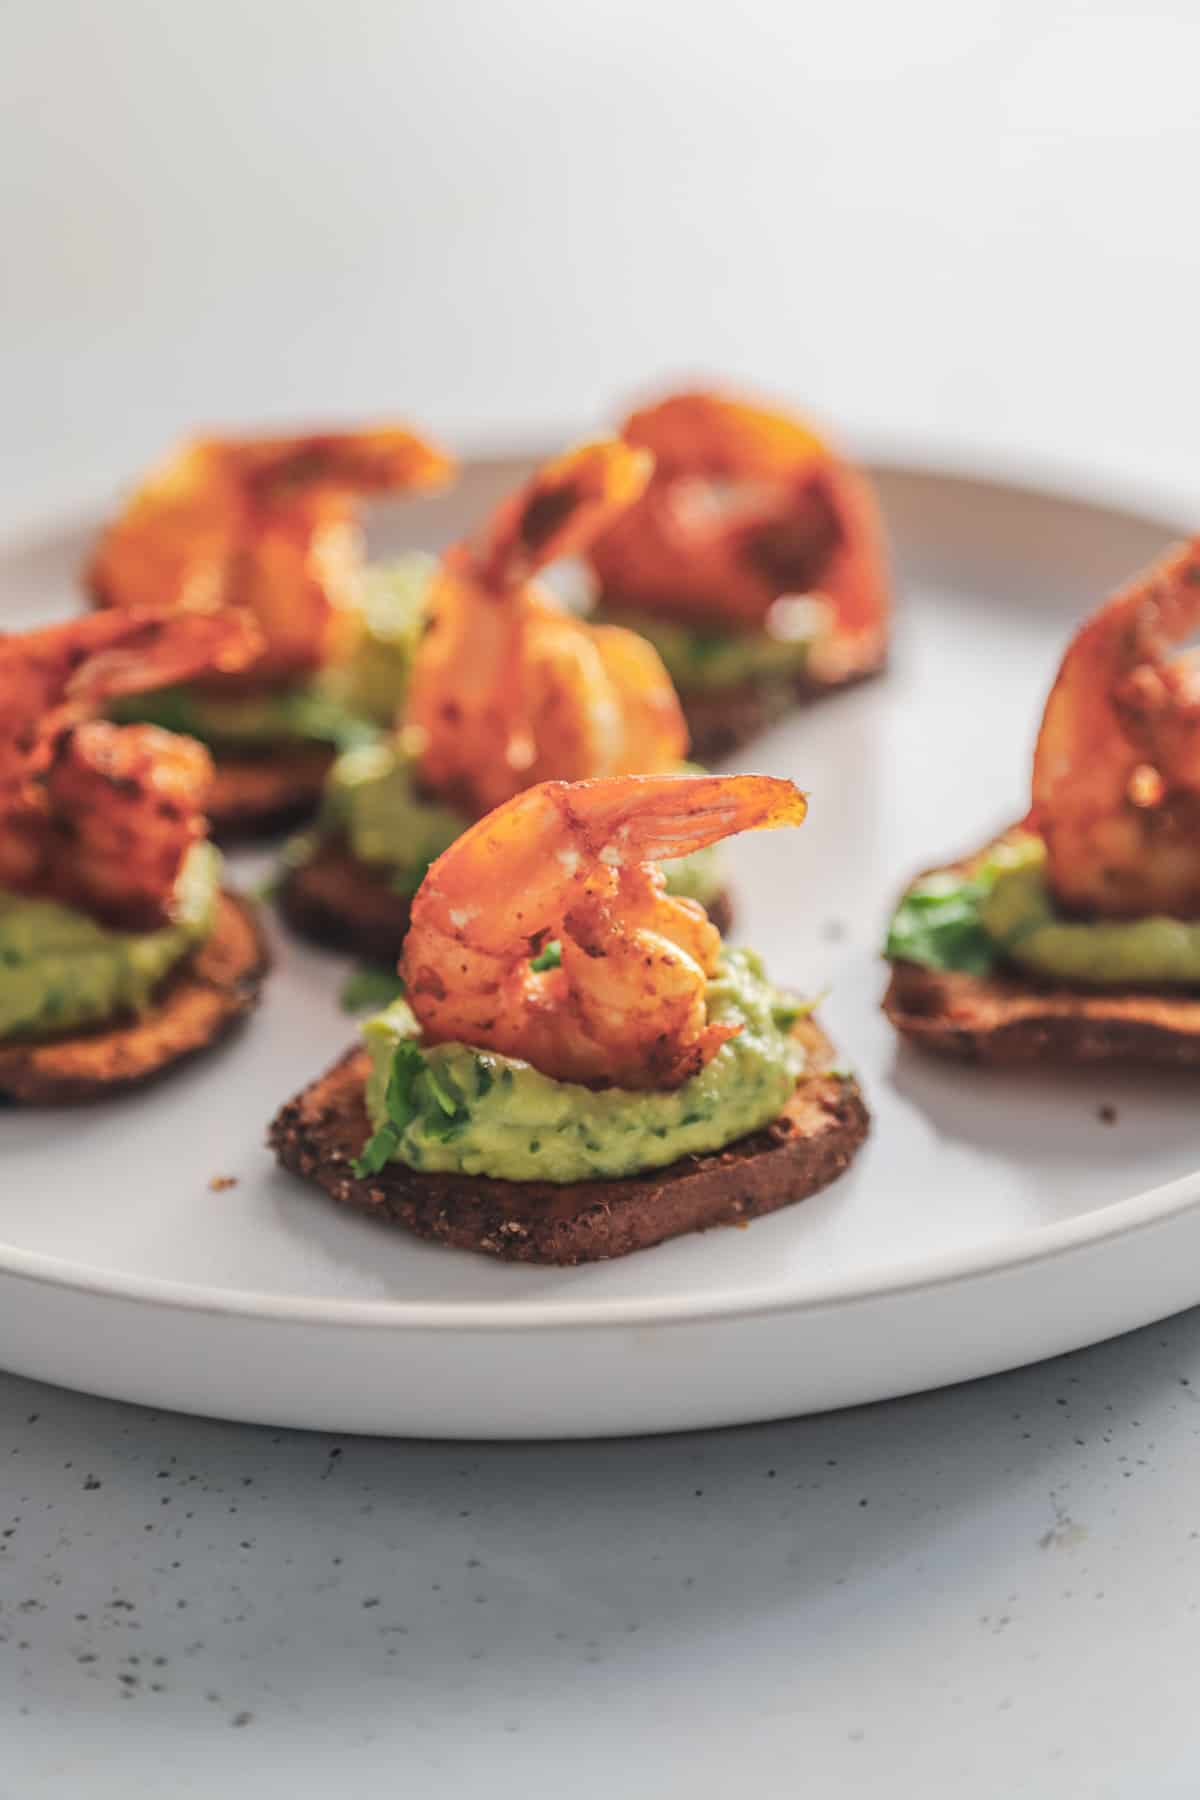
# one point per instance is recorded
(1043, 1243)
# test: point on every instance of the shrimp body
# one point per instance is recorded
(746, 507)
(1116, 773)
(97, 815)
(269, 524)
(507, 689)
(577, 863)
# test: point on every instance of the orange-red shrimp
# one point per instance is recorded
(98, 815)
(269, 524)
(507, 689)
(1116, 772)
(577, 863)
(746, 508)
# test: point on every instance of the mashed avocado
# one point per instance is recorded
(477, 1113)
(344, 705)
(371, 796)
(371, 683)
(61, 971)
(1002, 911)
(707, 659)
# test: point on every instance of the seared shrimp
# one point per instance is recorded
(507, 689)
(746, 507)
(266, 523)
(98, 815)
(577, 863)
(1116, 772)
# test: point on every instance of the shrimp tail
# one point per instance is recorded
(567, 503)
(655, 818)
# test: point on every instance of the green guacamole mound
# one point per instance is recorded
(1002, 912)
(473, 1112)
(372, 798)
(61, 971)
(372, 682)
(700, 658)
(344, 705)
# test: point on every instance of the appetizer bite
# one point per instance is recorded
(506, 689)
(1075, 937)
(578, 1067)
(270, 524)
(755, 562)
(119, 951)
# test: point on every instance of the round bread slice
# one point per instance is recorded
(335, 899)
(256, 796)
(1012, 1017)
(1009, 1019)
(197, 1004)
(321, 1132)
(721, 720)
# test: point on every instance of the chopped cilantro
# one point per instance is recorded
(550, 957)
(450, 1111)
(401, 1104)
(938, 924)
(484, 1076)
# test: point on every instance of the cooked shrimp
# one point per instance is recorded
(746, 507)
(1116, 772)
(266, 523)
(507, 689)
(577, 863)
(98, 815)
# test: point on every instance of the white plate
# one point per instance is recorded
(992, 1219)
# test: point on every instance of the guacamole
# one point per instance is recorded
(474, 1112)
(707, 658)
(372, 798)
(343, 705)
(394, 607)
(61, 971)
(1001, 911)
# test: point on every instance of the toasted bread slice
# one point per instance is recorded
(196, 1005)
(1010, 1018)
(321, 1131)
(721, 721)
(262, 795)
(335, 899)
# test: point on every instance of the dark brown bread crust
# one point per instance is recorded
(721, 721)
(335, 899)
(1008, 1019)
(199, 1002)
(1011, 1017)
(260, 796)
(319, 1133)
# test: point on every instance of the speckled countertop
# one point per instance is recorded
(987, 1591)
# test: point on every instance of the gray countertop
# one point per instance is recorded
(988, 1591)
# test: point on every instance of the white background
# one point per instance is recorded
(953, 222)
(958, 226)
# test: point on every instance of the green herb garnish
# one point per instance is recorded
(450, 1111)
(550, 957)
(401, 1104)
(370, 988)
(938, 924)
